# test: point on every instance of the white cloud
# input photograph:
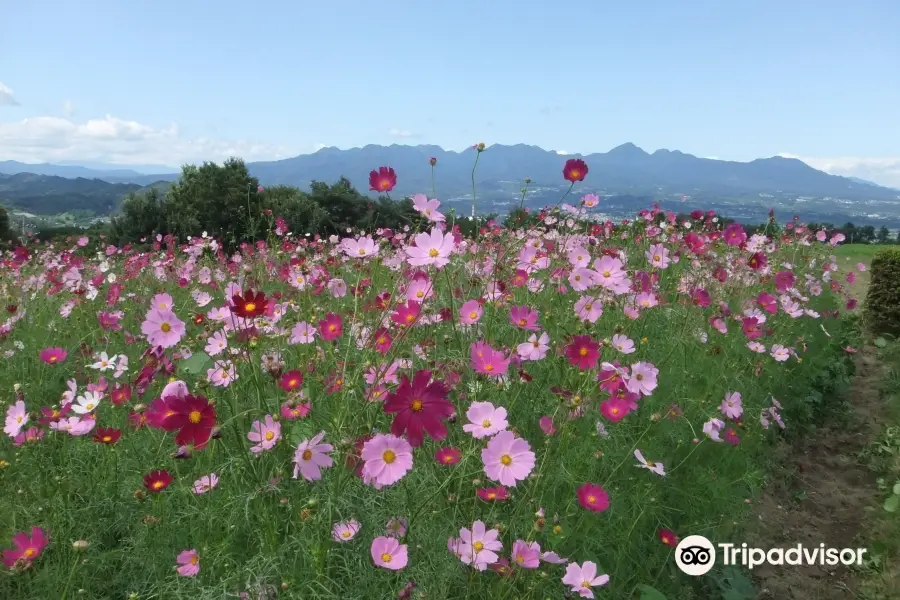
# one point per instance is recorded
(563, 152)
(6, 96)
(68, 109)
(883, 171)
(402, 133)
(114, 140)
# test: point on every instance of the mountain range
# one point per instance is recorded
(626, 170)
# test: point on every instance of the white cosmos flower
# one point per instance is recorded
(87, 403)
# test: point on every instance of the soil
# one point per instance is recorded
(821, 496)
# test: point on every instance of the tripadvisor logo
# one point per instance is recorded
(696, 555)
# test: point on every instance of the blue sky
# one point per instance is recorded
(166, 81)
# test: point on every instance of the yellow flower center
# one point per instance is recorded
(410, 318)
(588, 306)
(416, 405)
(158, 484)
(307, 455)
(250, 306)
(591, 499)
(362, 252)
(486, 423)
(346, 533)
(53, 359)
(195, 416)
(195, 559)
(89, 406)
(574, 173)
(389, 456)
(506, 460)
(107, 438)
(270, 435)
(488, 367)
(29, 552)
(478, 546)
(582, 352)
(385, 557)
(523, 322)
(492, 495)
(165, 328)
(657, 257)
(420, 294)
(473, 315)
(433, 253)
(520, 559)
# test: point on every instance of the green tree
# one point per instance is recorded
(5, 233)
(222, 200)
(883, 235)
(141, 215)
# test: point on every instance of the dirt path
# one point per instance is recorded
(820, 495)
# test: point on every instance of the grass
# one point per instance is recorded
(113, 534)
(849, 255)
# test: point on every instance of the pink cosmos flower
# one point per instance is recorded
(731, 406)
(526, 554)
(553, 558)
(345, 530)
(583, 577)
(265, 434)
(589, 309)
(643, 379)
(507, 459)
(162, 328)
(303, 333)
(16, 418)
(470, 312)
(658, 256)
(331, 327)
(623, 344)
(387, 460)
(523, 318)
(712, 428)
(429, 208)
(432, 248)
(477, 547)
(311, 456)
(592, 497)
(653, 466)
(389, 553)
(485, 420)
(162, 302)
(396, 528)
(205, 484)
(32, 434)
(487, 361)
(361, 248)
(189, 563)
(535, 348)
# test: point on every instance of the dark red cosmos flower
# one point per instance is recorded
(668, 537)
(583, 352)
(494, 494)
(291, 380)
(157, 481)
(382, 180)
(447, 456)
(419, 407)
(757, 261)
(194, 418)
(575, 170)
(249, 305)
(107, 435)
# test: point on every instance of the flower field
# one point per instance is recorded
(522, 413)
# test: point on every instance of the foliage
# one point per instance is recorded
(49, 195)
(883, 298)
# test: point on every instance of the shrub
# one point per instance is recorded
(883, 299)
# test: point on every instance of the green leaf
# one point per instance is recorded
(880, 342)
(896, 489)
(649, 593)
(197, 363)
(892, 504)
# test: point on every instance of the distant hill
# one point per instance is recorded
(47, 194)
(98, 171)
(626, 177)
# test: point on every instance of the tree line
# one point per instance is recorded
(224, 201)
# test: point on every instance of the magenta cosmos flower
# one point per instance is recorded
(487, 361)
(162, 328)
(26, 548)
(583, 352)
(52, 356)
(388, 553)
(523, 318)
(593, 497)
(311, 456)
(388, 459)
(432, 248)
(188, 563)
(507, 459)
(265, 434)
